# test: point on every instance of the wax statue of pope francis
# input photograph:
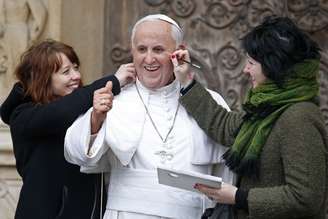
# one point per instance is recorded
(146, 128)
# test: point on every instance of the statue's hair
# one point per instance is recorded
(177, 32)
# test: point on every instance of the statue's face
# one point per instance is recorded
(152, 47)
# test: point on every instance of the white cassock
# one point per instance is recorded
(129, 148)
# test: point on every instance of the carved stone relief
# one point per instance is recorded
(213, 29)
(10, 183)
(3, 61)
(120, 54)
(310, 15)
(9, 190)
(21, 23)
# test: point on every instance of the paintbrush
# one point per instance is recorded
(190, 63)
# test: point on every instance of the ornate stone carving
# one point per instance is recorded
(230, 64)
(155, 2)
(120, 55)
(221, 14)
(252, 13)
(213, 31)
(9, 190)
(230, 58)
(237, 15)
(259, 9)
(181, 8)
(311, 15)
(3, 61)
(206, 75)
(221, 71)
(22, 22)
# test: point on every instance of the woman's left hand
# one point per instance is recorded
(126, 74)
(181, 69)
(224, 195)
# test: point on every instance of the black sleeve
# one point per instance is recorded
(15, 98)
(241, 199)
(183, 91)
(56, 116)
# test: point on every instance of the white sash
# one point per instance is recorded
(138, 191)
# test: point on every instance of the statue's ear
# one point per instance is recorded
(182, 46)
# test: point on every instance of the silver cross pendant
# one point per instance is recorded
(164, 156)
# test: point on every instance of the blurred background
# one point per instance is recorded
(99, 30)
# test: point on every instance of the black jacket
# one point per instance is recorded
(52, 187)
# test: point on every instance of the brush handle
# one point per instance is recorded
(192, 64)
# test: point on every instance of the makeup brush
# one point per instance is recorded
(185, 61)
(192, 64)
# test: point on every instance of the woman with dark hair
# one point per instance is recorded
(45, 101)
(278, 144)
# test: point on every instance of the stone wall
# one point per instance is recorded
(21, 24)
(99, 31)
(76, 22)
(213, 29)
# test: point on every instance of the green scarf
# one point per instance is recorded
(264, 104)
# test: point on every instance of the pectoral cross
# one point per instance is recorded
(164, 156)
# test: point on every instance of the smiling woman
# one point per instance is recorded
(42, 105)
(254, 69)
(67, 78)
(49, 70)
(278, 143)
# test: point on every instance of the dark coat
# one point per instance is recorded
(52, 187)
(293, 179)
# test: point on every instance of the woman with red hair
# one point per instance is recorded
(45, 101)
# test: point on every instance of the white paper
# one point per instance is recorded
(186, 179)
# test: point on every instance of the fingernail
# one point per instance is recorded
(173, 56)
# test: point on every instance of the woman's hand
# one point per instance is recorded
(225, 195)
(102, 103)
(182, 69)
(126, 74)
